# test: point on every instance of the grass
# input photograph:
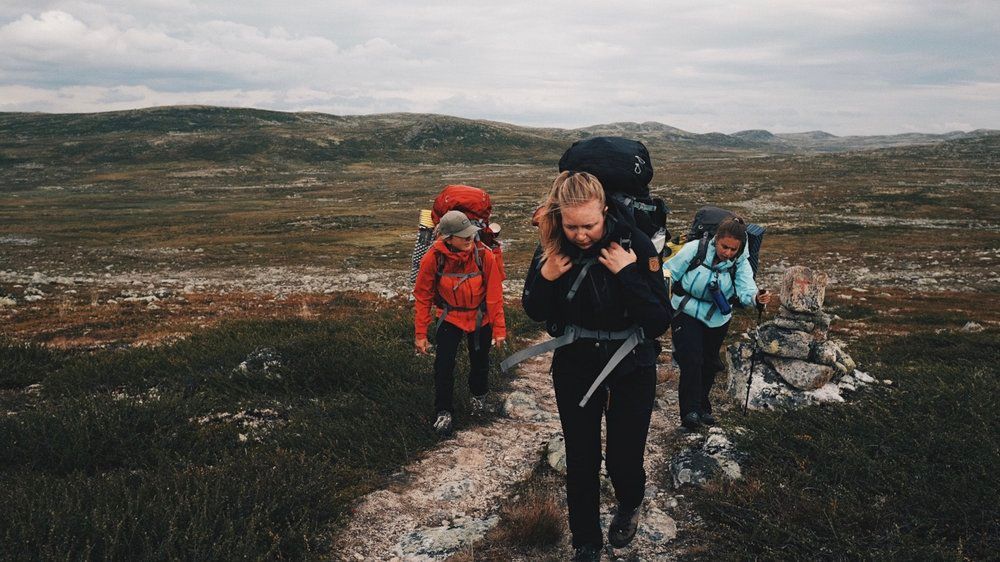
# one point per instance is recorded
(905, 472)
(532, 522)
(175, 452)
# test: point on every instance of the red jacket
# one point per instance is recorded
(464, 294)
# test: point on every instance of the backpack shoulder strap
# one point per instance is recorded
(440, 267)
(699, 258)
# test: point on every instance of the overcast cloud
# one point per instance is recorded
(847, 66)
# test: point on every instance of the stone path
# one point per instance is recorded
(449, 498)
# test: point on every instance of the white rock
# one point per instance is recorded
(863, 377)
(972, 327)
(827, 393)
(556, 453)
(658, 527)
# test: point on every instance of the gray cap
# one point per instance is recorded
(455, 223)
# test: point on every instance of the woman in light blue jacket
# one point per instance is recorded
(701, 319)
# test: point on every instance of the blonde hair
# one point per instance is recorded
(570, 189)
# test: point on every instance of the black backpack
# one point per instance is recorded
(706, 220)
(624, 169)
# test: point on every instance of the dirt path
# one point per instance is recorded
(449, 498)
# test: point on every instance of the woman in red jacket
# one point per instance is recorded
(461, 278)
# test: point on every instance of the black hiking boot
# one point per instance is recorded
(587, 553)
(623, 527)
(708, 419)
(479, 405)
(691, 421)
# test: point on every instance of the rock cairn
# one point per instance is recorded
(796, 364)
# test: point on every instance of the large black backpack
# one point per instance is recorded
(624, 169)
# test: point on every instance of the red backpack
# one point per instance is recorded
(475, 204)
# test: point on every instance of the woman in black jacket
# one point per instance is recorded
(596, 282)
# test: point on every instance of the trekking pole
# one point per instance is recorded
(753, 355)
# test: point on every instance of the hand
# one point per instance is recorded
(423, 347)
(615, 258)
(498, 341)
(764, 297)
(555, 266)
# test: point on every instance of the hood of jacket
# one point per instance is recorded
(451, 256)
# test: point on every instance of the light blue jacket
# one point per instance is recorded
(695, 282)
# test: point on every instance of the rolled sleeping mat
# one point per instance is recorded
(425, 237)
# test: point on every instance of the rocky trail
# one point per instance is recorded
(450, 497)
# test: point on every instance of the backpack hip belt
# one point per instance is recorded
(480, 312)
(630, 337)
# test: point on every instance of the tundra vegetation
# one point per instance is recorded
(181, 375)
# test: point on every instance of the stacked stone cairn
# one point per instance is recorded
(796, 364)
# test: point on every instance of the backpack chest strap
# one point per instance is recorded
(631, 337)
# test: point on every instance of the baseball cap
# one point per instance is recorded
(455, 223)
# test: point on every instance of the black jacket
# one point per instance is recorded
(637, 295)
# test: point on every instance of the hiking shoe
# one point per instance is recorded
(443, 423)
(623, 527)
(691, 421)
(707, 419)
(587, 553)
(478, 404)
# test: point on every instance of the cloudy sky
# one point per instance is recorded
(844, 66)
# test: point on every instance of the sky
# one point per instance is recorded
(848, 67)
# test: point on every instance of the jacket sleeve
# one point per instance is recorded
(494, 294)
(646, 298)
(423, 293)
(539, 293)
(746, 287)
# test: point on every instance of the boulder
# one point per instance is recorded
(827, 393)
(694, 467)
(801, 374)
(705, 460)
(438, 542)
(802, 289)
(819, 318)
(863, 377)
(767, 390)
(792, 324)
(523, 406)
(657, 527)
(555, 453)
(824, 353)
(263, 362)
(784, 343)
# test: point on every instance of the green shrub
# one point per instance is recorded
(177, 453)
(904, 472)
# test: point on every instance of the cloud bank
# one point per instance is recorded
(851, 67)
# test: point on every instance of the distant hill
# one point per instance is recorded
(163, 135)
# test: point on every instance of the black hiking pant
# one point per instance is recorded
(447, 340)
(626, 402)
(696, 350)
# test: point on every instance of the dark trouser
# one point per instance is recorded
(696, 350)
(627, 412)
(447, 340)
